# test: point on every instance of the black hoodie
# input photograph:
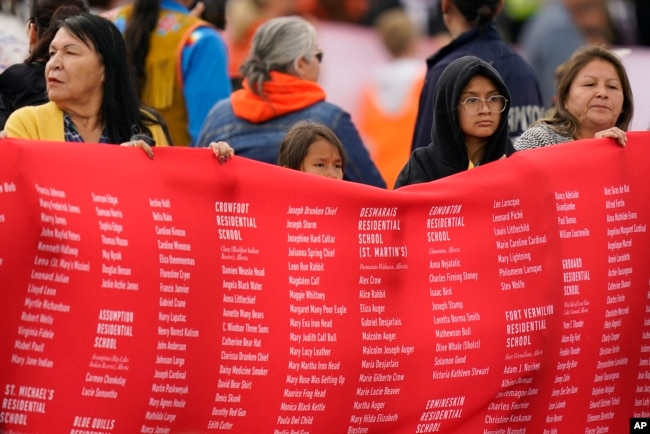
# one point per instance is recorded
(447, 154)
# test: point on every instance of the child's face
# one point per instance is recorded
(323, 159)
(479, 122)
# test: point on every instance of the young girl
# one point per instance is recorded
(313, 148)
(470, 123)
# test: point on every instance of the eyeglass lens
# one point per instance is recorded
(496, 104)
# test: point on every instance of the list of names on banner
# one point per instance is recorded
(238, 309)
(174, 327)
(604, 398)
(244, 329)
(107, 370)
(576, 274)
(516, 242)
(383, 345)
(453, 321)
(57, 260)
(624, 228)
(314, 362)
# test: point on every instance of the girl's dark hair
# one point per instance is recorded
(479, 13)
(137, 33)
(42, 13)
(296, 143)
(121, 107)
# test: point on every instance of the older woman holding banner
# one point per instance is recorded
(92, 97)
(594, 100)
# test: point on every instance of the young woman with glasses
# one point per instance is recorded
(472, 26)
(470, 123)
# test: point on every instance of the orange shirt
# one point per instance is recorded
(388, 135)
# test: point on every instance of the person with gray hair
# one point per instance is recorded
(279, 89)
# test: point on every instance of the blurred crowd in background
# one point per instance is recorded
(616, 22)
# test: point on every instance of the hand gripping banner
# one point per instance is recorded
(180, 295)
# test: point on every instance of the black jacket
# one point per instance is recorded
(21, 85)
(447, 154)
(526, 105)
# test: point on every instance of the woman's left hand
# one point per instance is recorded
(222, 150)
(613, 133)
(140, 144)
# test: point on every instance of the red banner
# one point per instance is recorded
(180, 295)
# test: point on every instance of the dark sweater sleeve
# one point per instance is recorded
(424, 119)
(359, 167)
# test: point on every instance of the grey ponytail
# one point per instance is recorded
(276, 46)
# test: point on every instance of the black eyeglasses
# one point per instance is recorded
(495, 104)
(319, 56)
